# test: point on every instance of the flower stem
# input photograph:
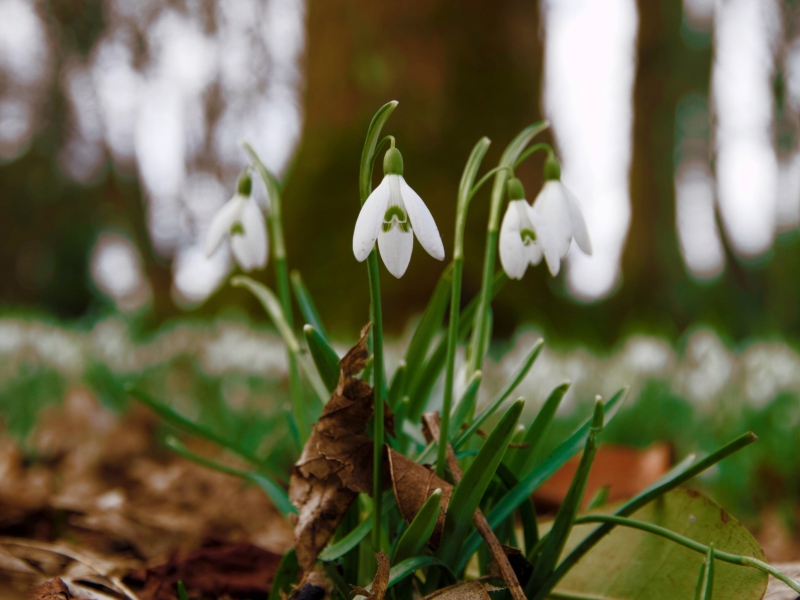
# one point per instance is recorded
(376, 314)
(465, 193)
(478, 341)
(275, 224)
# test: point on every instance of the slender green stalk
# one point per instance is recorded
(478, 342)
(464, 196)
(275, 224)
(532, 150)
(364, 188)
(735, 559)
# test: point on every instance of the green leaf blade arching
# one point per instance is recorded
(420, 530)
(306, 303)
(629, 564)
(469, 491)
(325, 358)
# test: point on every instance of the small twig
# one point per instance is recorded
(431, 429)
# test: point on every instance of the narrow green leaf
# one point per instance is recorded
(354, 537)
(535, 436)
(705, 584)
(370, 145)
(600, 498)
(531, 481)
(562, 526)
(398, 385)
(274, 491)
(502, 395)
(180, 422)
(676, 477)
(466, 405)
(405, 568)
(325, 358)
(526, 510)
(307, 307)
(419, 531)
(469, 491)
(273, 308)
(420, 386)
(430, 324)
(182, 591)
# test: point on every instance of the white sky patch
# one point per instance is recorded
(589, 72)
(746, 166)
(698, 235)
(116, 269)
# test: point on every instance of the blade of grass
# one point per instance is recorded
(325, 358)
(273, 308)
(562, 526)
(525, 459)
(468, 493)
(466, 405)
(182, 591)
(397, 387)
(502, 395)
(420, 530)
(670, 481)
(530, 482)
(275, 492)
(352, 539)
(420, 386)
(306, 304)
(705, 583)
(180, 422)
(431, 322)
(285, 575)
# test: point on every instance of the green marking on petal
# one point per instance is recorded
(237, 229)
(528, 236)
(396, 216)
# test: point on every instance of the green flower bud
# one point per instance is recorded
(393, 162)
(515, 189)
(245, 184)
(552, 170)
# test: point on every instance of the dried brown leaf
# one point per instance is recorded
(336, 463)
(377, 589)
(315, 585)
(469, 590)
(51, 590)
(413, 484)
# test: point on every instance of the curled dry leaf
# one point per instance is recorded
(314, 586)
(377, 589)
(336, 463)
(413, 484)
(51, 590)
(468, 590)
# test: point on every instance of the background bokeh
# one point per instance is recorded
(120, 125)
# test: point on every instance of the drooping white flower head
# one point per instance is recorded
(392, 215)
(241, 220)
(545, 229)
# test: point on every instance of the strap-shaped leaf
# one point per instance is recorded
(562, 526)
(325, 358)
(466, 405)
(468, 493)
(514, 381)
(525, 459)
(306, 303)
(420, 530)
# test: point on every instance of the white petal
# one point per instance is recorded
(369, 221)
(533, 253)
(553, 207)
(222, 222)
(395, 246)
(421, 220)
(512, 250)
(250, 248)
(547, 242)
(579, 229)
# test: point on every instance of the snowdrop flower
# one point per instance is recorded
(392, 215)
(241, 220)
(545, 229)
